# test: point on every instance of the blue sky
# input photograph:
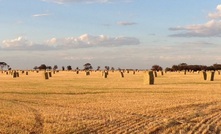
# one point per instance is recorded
(118, 33)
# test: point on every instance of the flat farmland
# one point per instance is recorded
(75, 103)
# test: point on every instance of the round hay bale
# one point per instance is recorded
(204, 75)
(49, 74)
(105, 74)
(46, 75)
(17, 74)
(14, 74)
(122, 74)
(87, 73)
(212, 76)
(151, 78)
(155, 73)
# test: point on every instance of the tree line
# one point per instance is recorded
(88, 66)
(186, 67)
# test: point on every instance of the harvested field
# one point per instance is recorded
(75, 103)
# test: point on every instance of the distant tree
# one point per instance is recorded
(169, 69)
(2, 65)
(217, 66)
(183, 66)
(175, 67)
(42, 67)
(203, 67)
(69, 68)
(55, 67)
(210, 68)
(87, 66)
(112, 69)
(77, 68)
(9, 68)
(49, 67)
(156, 68)
(98, 68)
(35, 68)
(107, 68)
(63, 68)
(194, 67)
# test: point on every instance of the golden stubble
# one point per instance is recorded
(75, 103)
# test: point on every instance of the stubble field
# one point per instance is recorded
(75, 103)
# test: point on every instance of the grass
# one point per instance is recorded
(76, 103)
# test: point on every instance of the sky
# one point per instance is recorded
(132, 34)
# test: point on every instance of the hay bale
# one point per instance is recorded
(87, 73)
(122, 74)
(105, 74)
(46, 75)
(155, 73)
(17, 74)
(151, 78)
(14, 74)
(162, 73)
(49, 74)
(212, 76)
(204, 75)
(133, 72)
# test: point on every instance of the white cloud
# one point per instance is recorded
(83, 41)
(125, 23)
(210, 29)
(17, 43)
(85, 1)
(40, 15)
(87, 40)
(216, 15)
